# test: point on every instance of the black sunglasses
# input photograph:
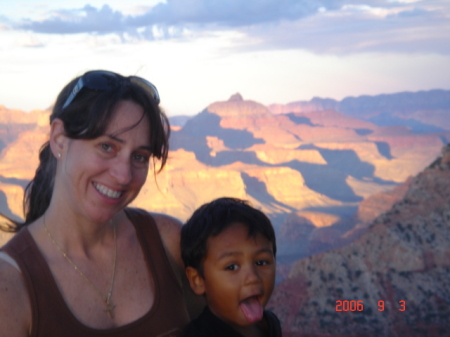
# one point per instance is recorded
(104, 80)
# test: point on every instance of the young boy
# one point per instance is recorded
(229, 248)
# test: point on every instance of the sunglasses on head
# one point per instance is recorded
(105, 80)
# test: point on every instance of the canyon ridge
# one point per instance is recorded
(357, 191)
(321, 170)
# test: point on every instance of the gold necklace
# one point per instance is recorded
(107, 299)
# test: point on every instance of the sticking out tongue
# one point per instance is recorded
(252, 309)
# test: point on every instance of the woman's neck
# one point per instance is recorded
(76, 233)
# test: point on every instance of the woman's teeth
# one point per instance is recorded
(107, 192)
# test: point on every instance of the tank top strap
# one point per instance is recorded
(154, 250)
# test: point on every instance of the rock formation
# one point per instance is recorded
(392, 281)
(313, 168)
(378, 203)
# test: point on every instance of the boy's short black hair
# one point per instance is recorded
(213, 218)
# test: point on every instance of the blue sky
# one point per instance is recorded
(200, 51)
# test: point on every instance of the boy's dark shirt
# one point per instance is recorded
(209, 325)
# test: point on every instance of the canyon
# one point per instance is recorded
(357, 191)
(391, 281)
(310, 168)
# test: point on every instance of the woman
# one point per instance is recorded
(83, 264)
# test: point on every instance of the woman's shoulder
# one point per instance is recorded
(10, 277)
(15, 308)
(168, 227)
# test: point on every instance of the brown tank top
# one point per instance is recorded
(51, 315)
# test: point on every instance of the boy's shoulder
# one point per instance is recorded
(274, 324)
(207, 325)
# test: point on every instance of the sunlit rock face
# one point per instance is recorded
(378, 203)
(399, 271)
(314, 166)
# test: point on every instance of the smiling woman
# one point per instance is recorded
(122, 155)
(82, 264)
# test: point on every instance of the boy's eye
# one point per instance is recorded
(262, 262)
(232, 267)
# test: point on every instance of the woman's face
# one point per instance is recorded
(103, 175)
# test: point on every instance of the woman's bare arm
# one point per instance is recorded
(15, 308)
(170, 230)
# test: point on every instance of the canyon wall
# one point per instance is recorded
(300, 167)
(392, 281)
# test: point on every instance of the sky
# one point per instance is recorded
(197, 52)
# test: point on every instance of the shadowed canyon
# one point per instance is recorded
(358, 191)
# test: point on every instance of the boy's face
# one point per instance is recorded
(239, 275)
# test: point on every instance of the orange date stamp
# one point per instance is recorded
(359, 305)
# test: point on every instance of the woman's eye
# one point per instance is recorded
(140, 158)
(232, 267)
(106, 147)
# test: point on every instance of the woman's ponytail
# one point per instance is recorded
(38, 192)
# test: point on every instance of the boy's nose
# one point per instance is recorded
(252, 275)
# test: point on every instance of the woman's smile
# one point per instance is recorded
(107, 192)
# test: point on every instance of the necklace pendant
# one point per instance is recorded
(109, 309)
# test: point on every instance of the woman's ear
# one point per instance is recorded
(195, 281)
(57, 137)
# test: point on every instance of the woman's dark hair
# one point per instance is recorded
(213, 218)
(87, 117)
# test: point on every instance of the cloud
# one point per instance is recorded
(230, 13)
(414, 12)
(4, 23)
(29, 41)
(324, 26)
(225, 13)
(356, 29)
(86, 20)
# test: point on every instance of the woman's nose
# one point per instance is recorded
(121, 171)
